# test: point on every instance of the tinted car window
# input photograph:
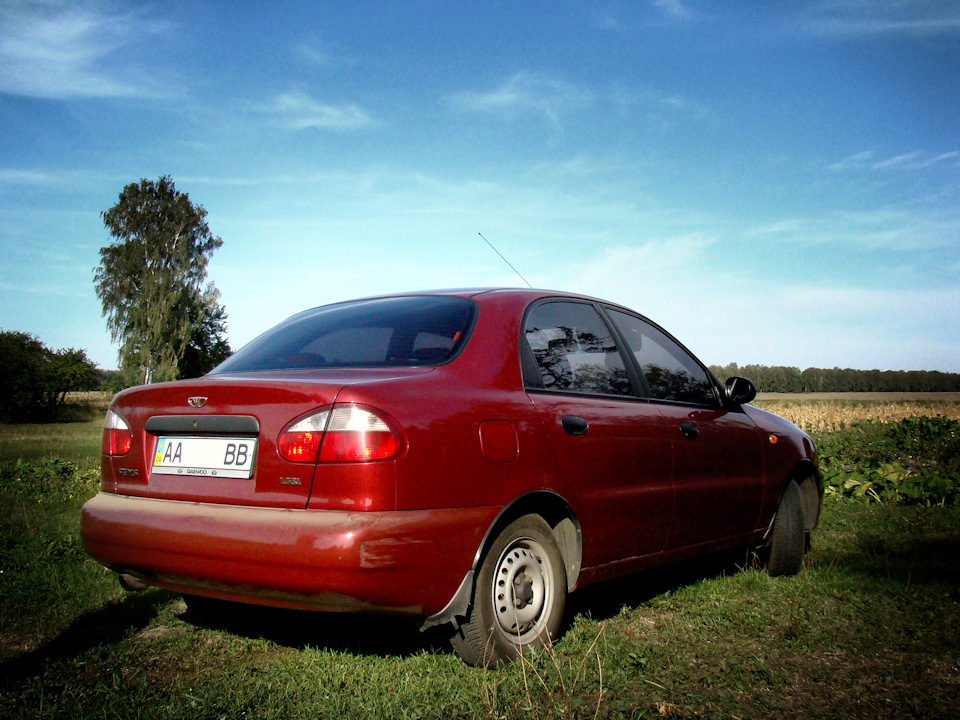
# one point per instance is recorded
(390, 332)
(574, 350)
(670, 371)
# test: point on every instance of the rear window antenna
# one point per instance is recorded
(505, 260)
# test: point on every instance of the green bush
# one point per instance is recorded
(48, 480)
(915, 461)
(35, 380)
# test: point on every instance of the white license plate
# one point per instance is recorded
(205, 456)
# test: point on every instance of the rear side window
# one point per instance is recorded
(389, 332)
(574, 350)
(670, 371)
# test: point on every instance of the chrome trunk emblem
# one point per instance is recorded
(197, 402)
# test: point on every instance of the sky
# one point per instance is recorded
(774, 183)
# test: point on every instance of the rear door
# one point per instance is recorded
(611, 445)
(717, 451)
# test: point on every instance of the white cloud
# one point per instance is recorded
(914, 160)
(657, 258)
(671, 280)
(859, 18)
(885, 227)
(723, 316)
(855, 161)
(605, 20)
(659, 109)
(898, 161)
(673, 9)
(298, 111)
(664, 13)
(323, 54)
(11, 176)
(525, 93)
(54, 50)
(314, 54)
(953, 155)
(69, 181)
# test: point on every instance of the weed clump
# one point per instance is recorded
(49, 480)
(913, 461)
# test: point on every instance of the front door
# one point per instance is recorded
(717, 451)
(612, 446)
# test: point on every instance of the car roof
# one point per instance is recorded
(521, 294)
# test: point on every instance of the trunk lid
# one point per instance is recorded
(233, 422)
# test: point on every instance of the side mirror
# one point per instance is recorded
(740, 391)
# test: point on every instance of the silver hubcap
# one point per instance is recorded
(522, 589)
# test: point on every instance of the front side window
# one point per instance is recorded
(574, 350)
(388, 332)
(670, 371)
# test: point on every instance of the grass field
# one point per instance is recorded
(869, 629)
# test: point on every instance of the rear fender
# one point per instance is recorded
(566, 529)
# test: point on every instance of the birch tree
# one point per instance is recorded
(151, 279)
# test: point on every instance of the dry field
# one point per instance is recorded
(94, 398)
(835, 411)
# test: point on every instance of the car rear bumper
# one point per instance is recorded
(409, 562)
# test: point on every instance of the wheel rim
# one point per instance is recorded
(522, 589)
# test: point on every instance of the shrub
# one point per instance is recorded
(48, 480)
(35, 380)
(915, 461)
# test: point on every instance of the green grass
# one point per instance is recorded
(77, 442)
(869, 629)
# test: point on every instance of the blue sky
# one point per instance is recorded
(775, 185)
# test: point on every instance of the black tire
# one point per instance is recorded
(518, 597)
(788, 539)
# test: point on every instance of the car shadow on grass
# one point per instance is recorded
(359, 634)
(391, 636)
(926, 560)
(606, 599)
(105, 626)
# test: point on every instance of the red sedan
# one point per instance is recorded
(464, 457)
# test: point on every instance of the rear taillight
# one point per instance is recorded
(117, 438)
(355, 434)
(300, 441)
(346, 433)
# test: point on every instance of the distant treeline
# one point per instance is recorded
(794, 380)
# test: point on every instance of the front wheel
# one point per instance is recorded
(518, 598)
(788, 539)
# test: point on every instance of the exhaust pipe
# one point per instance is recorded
(131, 583)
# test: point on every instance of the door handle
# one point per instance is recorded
(689, 430)
(574, 425)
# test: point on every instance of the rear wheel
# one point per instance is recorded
(518, 598)
(788, 539)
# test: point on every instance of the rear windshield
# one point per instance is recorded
(390, 332)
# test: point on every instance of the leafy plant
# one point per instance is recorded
(48, 480)
(915, 461)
